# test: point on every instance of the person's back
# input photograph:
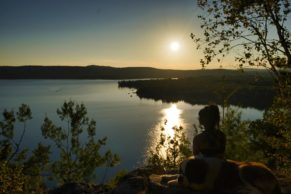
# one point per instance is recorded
(211, 142)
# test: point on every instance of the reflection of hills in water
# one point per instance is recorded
(245, 90)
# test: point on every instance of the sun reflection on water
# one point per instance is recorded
(170, 119)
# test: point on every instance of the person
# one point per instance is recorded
(211, 142)
(209, 172)
(200, 172)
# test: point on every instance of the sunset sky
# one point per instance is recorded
(119, 33)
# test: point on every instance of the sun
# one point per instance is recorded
(174, 46)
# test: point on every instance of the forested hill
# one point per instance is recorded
(247, 89)
(89, 72)
(104, 72)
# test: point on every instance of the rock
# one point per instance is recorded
(80, 188)
(132, 185)
(285, 185)
(143, 181)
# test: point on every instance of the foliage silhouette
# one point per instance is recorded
(169, 151)
(20, 171)
(78, 160)
(260, 31)
(12, 179)
(237, 131)
(272, 135)
(257, 29)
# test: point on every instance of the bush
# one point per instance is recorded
(272, 134)
(12, 179)
(170, 151)
(116, 179)
(21, 170)
(237, 133)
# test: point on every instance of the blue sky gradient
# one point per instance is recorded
(118, 33)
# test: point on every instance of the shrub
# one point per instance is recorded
(20, 170)
(77, 160)
(272, 134)
(170, 151)
(12, 178)
(237, 133)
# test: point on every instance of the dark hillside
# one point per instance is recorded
(103, 72)
(89, 72)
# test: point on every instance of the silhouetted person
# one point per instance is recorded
(211, 142)
(200, 172)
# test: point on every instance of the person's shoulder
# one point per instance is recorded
(199, 136)
(221, 134)
(216, 132)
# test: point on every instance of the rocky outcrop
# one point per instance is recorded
(285, 185)
(80, 188)
(143, 181)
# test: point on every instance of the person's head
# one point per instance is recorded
(209, 117)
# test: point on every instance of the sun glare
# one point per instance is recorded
(172, 117)
(175, 46)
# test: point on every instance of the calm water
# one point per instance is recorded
(131, 124)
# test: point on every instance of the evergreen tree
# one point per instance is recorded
(78, 159)
(20, 170)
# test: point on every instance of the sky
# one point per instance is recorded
(118, 33)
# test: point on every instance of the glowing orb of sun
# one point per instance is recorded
(175, 46)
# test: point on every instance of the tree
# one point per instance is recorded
(12, 179)
(20, 171)
(237, 131)
(78, 158)
(272, 135)
(258, 29)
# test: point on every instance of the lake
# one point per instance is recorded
(131, 124)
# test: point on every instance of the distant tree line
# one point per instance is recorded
(88, 72)
(241, 89)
